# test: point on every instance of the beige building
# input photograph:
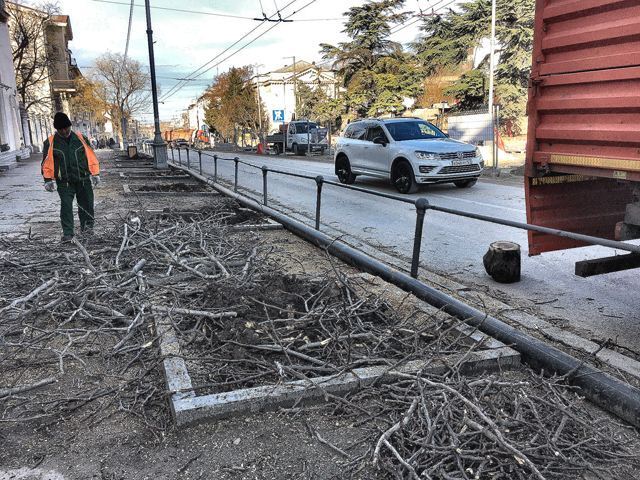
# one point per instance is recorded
(277, 89)
(12, 145)
(56, 74)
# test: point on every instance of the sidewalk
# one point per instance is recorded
(24, 201)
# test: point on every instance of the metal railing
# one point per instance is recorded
(421, 204)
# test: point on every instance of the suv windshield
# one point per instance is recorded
(413, 130)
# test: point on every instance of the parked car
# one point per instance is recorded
(408, 151)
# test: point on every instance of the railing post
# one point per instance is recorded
(215, 168)
(200, 160)
(173, 159)
(188, 160)
(319, 182)
(265, 170)
(422, 204)
(235, 182)
(179, 156)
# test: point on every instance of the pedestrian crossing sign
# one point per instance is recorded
(278, 115)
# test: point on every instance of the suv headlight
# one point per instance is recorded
(478, 153)
(427, 156)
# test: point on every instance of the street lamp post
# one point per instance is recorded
(491, 81)
(159, 147)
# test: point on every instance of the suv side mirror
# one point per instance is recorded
(380, 141)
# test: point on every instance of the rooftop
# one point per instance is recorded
(300, 66)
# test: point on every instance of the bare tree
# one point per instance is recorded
(29, 49)
(89, 100)
(125, 86)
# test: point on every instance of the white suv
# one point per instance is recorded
(408, 151)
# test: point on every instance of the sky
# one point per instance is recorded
(185, 41)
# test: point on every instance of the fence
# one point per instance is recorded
(472, 127)
(475, 127)
(184, 159)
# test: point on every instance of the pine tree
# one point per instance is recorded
(377, 73)
(448, 39)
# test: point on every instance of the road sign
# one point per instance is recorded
(278, 115)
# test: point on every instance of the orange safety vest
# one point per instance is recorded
(48, 168)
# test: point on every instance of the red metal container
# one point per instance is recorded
(583, 150)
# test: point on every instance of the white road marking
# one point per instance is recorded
(475, 202)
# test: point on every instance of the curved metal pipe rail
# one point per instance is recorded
(421, 204)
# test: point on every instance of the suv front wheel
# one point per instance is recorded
(343, 170)
(403, 178)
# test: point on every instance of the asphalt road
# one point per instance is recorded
(601, 307)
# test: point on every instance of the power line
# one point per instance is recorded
(181, 10)
(247, 44)
(225, 15)
(403, 26)
(335, 19)
(420, 16)
(177, 87)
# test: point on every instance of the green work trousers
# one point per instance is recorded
(83, 192)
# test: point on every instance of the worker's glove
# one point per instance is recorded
(95, 180)
(49, 186)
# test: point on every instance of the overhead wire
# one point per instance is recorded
(180, 10)
(244, 46)
(179, 85)
(420, 16)
(203, 68)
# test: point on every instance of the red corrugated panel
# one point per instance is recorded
(587, 205)
(584, 115)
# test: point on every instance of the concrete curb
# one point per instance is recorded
(191, 409)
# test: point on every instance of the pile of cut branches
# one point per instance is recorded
(290, 328)
(75, 330)
(512, 425)
(76, 337)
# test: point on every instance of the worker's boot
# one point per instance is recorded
(66, 238)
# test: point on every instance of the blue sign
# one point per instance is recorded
(278, 115)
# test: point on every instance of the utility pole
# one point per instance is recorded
(491, 81)
(159, 147)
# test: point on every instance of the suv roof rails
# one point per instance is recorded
(367, 119)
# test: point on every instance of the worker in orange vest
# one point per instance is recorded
(69, 160)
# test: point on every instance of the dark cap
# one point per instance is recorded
(60, 120)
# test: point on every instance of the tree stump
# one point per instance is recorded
(502, 262)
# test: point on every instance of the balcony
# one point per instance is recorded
(59, 86)
(4, 15)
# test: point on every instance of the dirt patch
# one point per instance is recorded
(234, 215)
(288, 328)
(171, 187)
